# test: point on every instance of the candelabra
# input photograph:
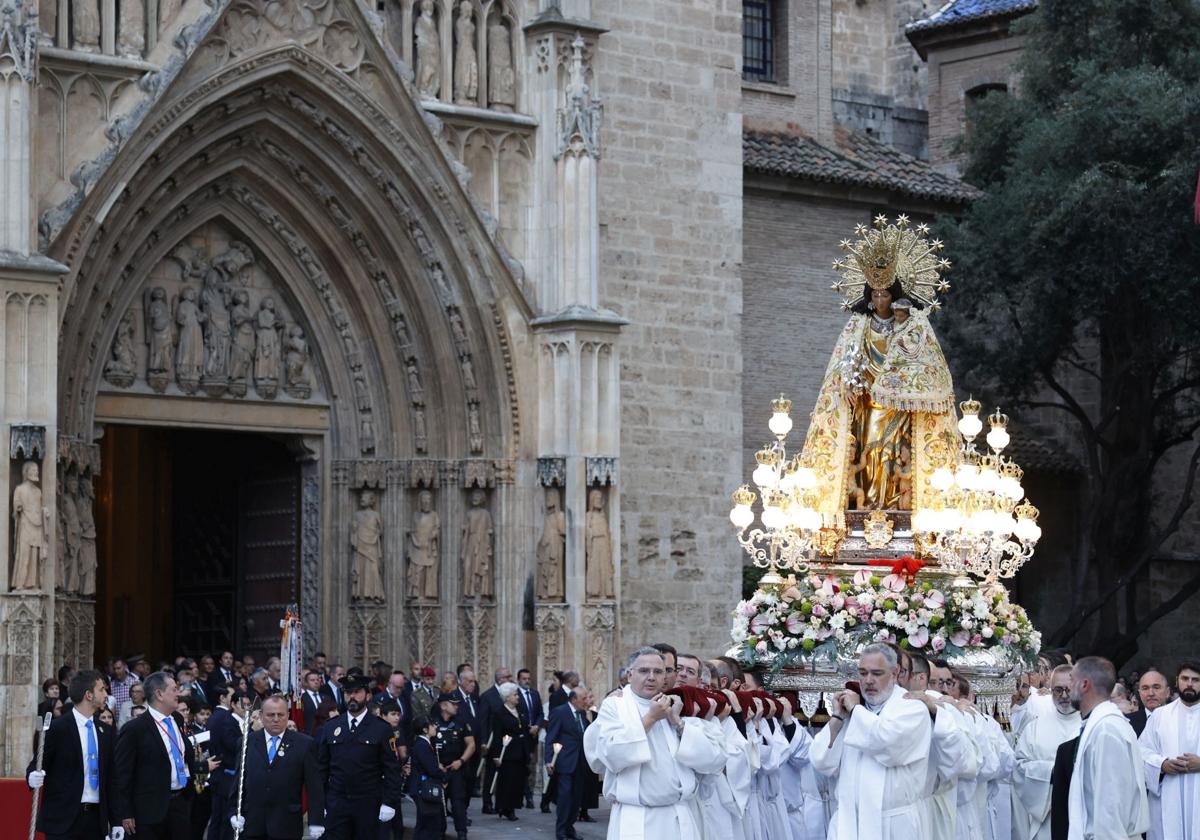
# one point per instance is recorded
(791, 524)
(977, 522)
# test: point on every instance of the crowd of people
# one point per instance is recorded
(683, 747)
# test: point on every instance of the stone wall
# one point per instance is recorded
(670, 233)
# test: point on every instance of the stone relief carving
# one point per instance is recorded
(23, 633)
(85, 25)
(425, 632)
(296, 355)
(310, 554)
(189, 350)
(429, 52)
(241, 348)
(468, 371)
(72, 531)
(598, 548)
(549, 622)
(601, 471)
(424, 550)
(466, 62)
(552, 472)
(87, 561)
(31, 524)
(579, 120)
(366, 635)
(121, 367)
(502, 77)
(131, 27)
(267, 327)
(474, 428)
(477, 548)
(26, 440)
(479, 624)
(160, 365)
(599, 621)
(366, 539)
(552, 550)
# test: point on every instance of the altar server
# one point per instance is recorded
(1037, 743)
(809, 793)
(768, 807)
(650, 756)
(1170, 746)
(878, 747)
(1107, 797)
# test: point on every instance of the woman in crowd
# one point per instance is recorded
(512, 760)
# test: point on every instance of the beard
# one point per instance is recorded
(1189, 695)
(1065, 707)
(1076, 700)
(354, 706)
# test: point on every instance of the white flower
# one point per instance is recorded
(891, 618)
(866, 599)
(792, 644)
(986, 631)
(837, 621)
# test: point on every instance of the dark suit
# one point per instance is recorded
(468, 716)
(1137, 720)
(62, 815)
(558, 697)
(490, 705)
(217, 678)
(359, 772)
(225, 743)
(431, 821)
(334, 692)
(565, 728)
(143, 769)
(309, 709)
(1060, 788)
(272, 801)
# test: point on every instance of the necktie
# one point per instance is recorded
(176, 753)
(93, 758)
(579, 717)
(353, 725)
(272, 748)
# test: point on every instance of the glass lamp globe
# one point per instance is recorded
(779, 424)
(942, 479)
(773, 517)
(998, 438)
(987, 481)
(969, 426)
(806, 479)
(921, 521)
(741, 516)
(765, 476)
(809, 520)
(1025, 530)
(951, 520)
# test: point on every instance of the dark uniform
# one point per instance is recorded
(359, 770)
(450, 744)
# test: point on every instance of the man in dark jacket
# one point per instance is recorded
(280, 767)
(490, 705)
(77, 767)
(565, 730)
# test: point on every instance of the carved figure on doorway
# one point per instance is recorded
(160, 338)
(296, 355)
(598, 548)
(241, 349)
(85, 500)
(552, 550)
(474, 430)
(420, 433)
(366, 538)
(477, 548)
(266, 353)
(502, 78)
(31, 526)
(214, 303)
(121, 367)
(424, 550)
(189, 353)
(85, 25)
(72, 531)
(131, 28)
(466, 63)
(468, 370)
(429, 52)
(457, 328)
(414, 377)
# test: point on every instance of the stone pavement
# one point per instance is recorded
(530, 825)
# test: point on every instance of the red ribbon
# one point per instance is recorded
(906, 567)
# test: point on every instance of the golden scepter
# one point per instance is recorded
(237, 832)
(496, 776)
(41, 753)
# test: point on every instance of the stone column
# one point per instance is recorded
(18, 77)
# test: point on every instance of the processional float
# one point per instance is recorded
(894, 522)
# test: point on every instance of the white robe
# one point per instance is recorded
(880, 760)
(649, 777)
(723, 796)
(953, 755)
(1037, 743)
(1170, 732)
(996, 809)
(1107, 800)
(767, 813)
(809, 799)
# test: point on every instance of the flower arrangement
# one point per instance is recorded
(823, 616)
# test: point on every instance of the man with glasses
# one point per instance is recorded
(650, 755)
(1036, 745)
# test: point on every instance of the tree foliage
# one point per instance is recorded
(1077, 272)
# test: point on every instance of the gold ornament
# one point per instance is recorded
(877, 529)
(890, 253)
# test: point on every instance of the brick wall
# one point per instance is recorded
(671, 228)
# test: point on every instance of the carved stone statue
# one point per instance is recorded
(502, 78)
(241, 350)
(598, 548)
(160, 339)
(85, 25)
(131, 28)
(552, 550)
(420, 433)
(474, 429)
(72, 530)
(477, 549)
(214, 303)
(189, 353)
(468, 370)
(414, 377)
(296, 355)
(429, 52)
(121, 367)
(466, 63)
(87, 538)
(424, 550)
(457, 328)
(31, 522)
(366, 538)
(266, 354)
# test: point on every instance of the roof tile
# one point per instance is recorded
(964, 11)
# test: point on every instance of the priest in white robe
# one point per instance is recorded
(650, 756)
(878, 748)
(1170, 746)
(1037, 743)
(809, 795)
(768, 804)
(1107, 799)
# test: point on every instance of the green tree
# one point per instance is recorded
(1077, 276)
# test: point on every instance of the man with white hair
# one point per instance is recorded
(1107, 797)
(1037, 743)
(650, 756)
(877, 745)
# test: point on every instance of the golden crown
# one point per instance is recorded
(891, 252)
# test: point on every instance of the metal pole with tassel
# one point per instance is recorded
(237, 832)
(41, 754)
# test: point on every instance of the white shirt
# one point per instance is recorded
(90, 794)
(279, 744)
(356, 720)
(159, 719)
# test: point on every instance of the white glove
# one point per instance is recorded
(315, 831)
(238, 823)
(37, 778)
(117, 833)
(386, 813)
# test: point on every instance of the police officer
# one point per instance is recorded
(455, 745)
(358, 767)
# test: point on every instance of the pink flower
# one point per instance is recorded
(819, 611)
(938, 644)
(748, 609)
(920, 638)
(893, 583)
(960, 637)
(839, 601)
(795, 623)
(791, 594)
(824, 633)
(761, 647)
(976, 640)
(760, 623)
(935, 600)
(862, 577)
(829, 586)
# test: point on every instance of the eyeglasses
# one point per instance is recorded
(1061, 691)
(944, 683)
